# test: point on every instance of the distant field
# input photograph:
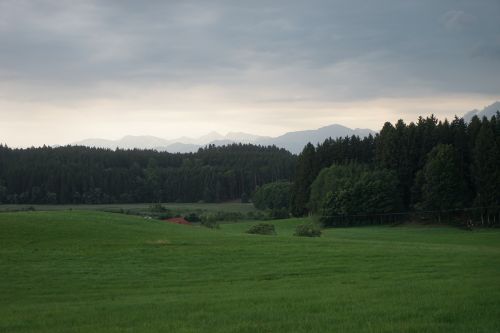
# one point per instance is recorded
(86, 271)
(181, 207)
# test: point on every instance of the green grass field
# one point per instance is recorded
(177, 207)
(85, 271)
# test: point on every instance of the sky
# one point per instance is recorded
(71, 70)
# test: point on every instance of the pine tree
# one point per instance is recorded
(442, 185)
(486, 159)
(305, 174)
(462, 148)
(387, 147)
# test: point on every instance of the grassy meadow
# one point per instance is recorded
(177, 207)
(90, 271)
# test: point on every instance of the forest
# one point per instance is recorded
(427, 165)
(75, 174)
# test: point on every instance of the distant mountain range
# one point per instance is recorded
(291, 141)
(487, 112)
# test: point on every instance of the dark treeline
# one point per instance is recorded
(428, 165)
(313, 159)
(91, 175)
(437, 165)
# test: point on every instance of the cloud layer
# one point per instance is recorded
(110, 68)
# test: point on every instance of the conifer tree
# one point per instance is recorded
(305, 174)
(485, 167)
(443, 186)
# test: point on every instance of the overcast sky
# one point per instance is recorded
(77, 69)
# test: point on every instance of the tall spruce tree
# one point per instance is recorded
(387, 147)
(305, 174)
(463, 151)
(486, 174)
(443, 186)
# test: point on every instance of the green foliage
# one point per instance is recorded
(279, 213)
(353, 189)
(3, 193)
(262, 229)
(82, 175)
(404, 150)
(308, 230)
(443, 186)
(396, 150)
(156, 210)
(161, 216)
(305, 173)
(486, 166)
(274, 196)
(210, 221)
(388, 148)
(192, 217)
(312, 160)
(335, 179)
(51, 198)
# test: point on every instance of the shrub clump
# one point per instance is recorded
(192, 217)
(210, 221)
(166, 215)
(262, 229)
(307, 230)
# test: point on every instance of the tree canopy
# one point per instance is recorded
(437, 164)
(354, 189)
(92, 175)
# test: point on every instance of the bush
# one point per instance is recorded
(166, 215)
(308, 230)
(262, 229)
(210, 224)
(210, 221)
(192, 217)
(273, 196)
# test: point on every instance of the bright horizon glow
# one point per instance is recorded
(132, 123)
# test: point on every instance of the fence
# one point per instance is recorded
(466, 217)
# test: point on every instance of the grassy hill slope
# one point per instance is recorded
(83, 271)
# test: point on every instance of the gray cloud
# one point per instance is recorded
(489, 51)
(456, 20)
(219, 43)
(66, 53)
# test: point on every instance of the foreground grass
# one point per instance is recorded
(102, 272)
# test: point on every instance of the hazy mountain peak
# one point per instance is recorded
(242, 137)
(212, 135)
(292, 141)
(487, 111)
(295, 141)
